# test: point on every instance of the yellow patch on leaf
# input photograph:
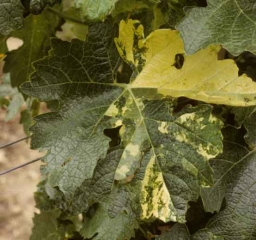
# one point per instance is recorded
(202, 76)
(155, 199)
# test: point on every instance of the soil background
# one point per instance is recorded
(17, 204)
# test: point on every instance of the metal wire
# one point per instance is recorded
(19, 166)
(12, 143)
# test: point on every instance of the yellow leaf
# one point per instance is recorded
(130, 41)
(202, 77)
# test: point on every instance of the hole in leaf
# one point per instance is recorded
(113, 134)
(201, 3)
(182, 102)
(246, 62)
(196, 216)
(14, 43)
(124, 73)
(179, 61)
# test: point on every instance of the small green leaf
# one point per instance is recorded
(249, 125)
(11, 16)
(95, 10)
(14, 106)
(35, 35)
(15, 98)
(37, 6)
(43, 230)
(118, 228)
(213, 196)
(237, 220)
(221, 22)
(177, 232)
(242, 113)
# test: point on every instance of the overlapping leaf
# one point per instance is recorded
(118, 228)
(237, 220)
(177, 232)
(43, 230)
(201, 76)
(173, 149)
(10, 98)
(74, 135)
(230, 23)
(36, 35)
(11, 16)
(222, 165)
(249, 124)
(95, 10)
(37, 6)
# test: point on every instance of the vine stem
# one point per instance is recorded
(62, 15)
(19, 166)
(9, 144)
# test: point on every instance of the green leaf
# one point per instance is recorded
(177, 232)
(237, 220)
(82, 119)
(201, 76)
(203, 235)
(130, 6)
(14, 106)
(173, 148)
(118, 228)
(11, 12)
(242, 113)
(37, 6)
(45, 231)
(249, 125)
(15, 98)
(222, 165)
(230, 23)
(35, 35)
(95, 10)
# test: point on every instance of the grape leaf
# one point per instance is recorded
(11, 16)
(174, 148)
(201, 76)
(242, 113)
(81, 121)
(36, 35)
(43, 230)
(95, 10)
(10, 95)
(237, 220)
(230, 23)
(37, 6)
(118, 228)
(177, 232)
(222, 165)
(249, 125)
